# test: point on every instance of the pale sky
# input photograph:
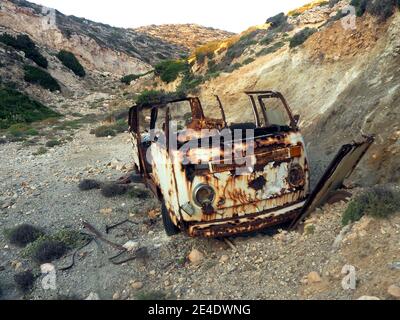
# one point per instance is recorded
(231, 15)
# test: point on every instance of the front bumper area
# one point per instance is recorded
(249, 223)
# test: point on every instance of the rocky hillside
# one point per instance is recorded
(99, 46)
(189, 35)
(342, 81)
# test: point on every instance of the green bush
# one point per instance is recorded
(301, 37)
(16, 107)
(25, 44)
(120, 126)
(104, 131)
(271, 49)
(378, 202)
(248, 61)
(383, 9)
(53, 143)
(69, 60)
(40, 77)
(277, 20)
(23, 235)
(129, 78)
(47, 248)
(40, 151)
(169, 70)
(189, 84)
(20, 129)
(154, 96)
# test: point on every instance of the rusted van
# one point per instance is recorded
(214, 178)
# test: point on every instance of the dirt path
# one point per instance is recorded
(42, 190)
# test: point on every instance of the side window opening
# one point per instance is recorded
(180, 115)
(276, 112)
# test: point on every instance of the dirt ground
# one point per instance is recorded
(43, 191)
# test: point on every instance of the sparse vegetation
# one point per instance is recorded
(138, 193)
(40, 77)
(277, 21)
(111, 190)
(69, 60)
(89, 184)
(15, 107)
(307, 7)
(52, 247)
(131, 77)
(25, 44)
(104, 131)
(169, 70)
(48, 250)
(301, 37)
(271, 49)
(22, 235)
(248, 61)
(40, 151)
(24, 281)
(207, 50)
(120, 126)
(20, 130)
(53, 143)
(378, 202)
(155, 96)
(383, 9)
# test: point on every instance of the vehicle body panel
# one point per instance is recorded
(267, 184)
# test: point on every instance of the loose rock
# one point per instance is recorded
(195, 257)
(314, 277)
(394, 291)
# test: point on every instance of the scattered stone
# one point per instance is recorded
(93, 296)
(154, 214)
(106, 211)
(116, 296)
(368, 298)
(47, 268)
(394, 291)
(136, 285)
(16, 265)
(224, 259)
(314, 277)
(395, 265)
(131, 246)
(282, 236)
(195, 257)
(7, 204)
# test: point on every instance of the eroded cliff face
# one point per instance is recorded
(188, 35)
(343, 83)
(99, 47)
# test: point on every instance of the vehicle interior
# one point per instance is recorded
(185, 119)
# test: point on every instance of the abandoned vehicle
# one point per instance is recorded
(217, 179)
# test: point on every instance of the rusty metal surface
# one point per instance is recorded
(340, 169)
(234, 195)
(250, 223)
(272, 192)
